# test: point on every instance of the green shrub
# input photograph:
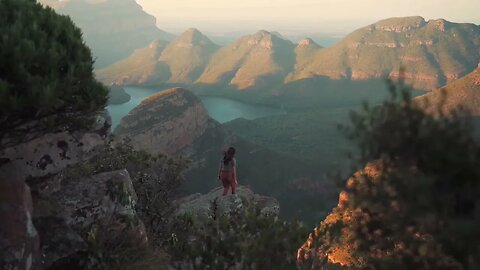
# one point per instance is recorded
(246, 240)
(46, 68)
(416, 204)
(155, 180)
(116, 245)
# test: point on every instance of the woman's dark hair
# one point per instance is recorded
(228, 155)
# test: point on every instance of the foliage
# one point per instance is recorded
(155, 180)
(116, 245)
(246, 240)
(46, 68)
(415, 207)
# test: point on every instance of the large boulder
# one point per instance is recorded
(165, 122)
(202, 207)
(50, 152)
(71, 212)
(99, 197)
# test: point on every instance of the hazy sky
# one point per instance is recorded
(299, 15)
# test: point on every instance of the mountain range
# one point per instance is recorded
(433, 53)
(113, 29)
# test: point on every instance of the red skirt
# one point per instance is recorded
(228, 179)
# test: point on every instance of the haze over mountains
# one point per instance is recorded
(434, 53)
(113, 29)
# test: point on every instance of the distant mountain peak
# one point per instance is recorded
(262, 33)
(277, 34)
(193, 31)
(193, 37)
(400, 24)
(307, 42)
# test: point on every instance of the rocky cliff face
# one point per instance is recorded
(19, 240)
(35, 159)
(51, 152)
(45, 222)
(202, 207)
(165, 122)
(112, 28)
(70, 209)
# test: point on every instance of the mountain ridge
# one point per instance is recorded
(433, 53)
(250, 60)
(113, 29)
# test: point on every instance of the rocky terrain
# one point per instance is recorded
(60, 189)
(175, 122)
(37, 162)
(165, 122)
(113, 29)
(212, 205)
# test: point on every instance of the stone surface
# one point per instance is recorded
(165, 122)
(102, 196)
(205, 206)
(19, 242)
(58, 240)
(49, 153)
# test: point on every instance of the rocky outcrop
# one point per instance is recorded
(19, 240)
(50, 152)
(202, 207)
(165, 122)
(64, 216)
(118, 95)
(36, 159)
(100, 197)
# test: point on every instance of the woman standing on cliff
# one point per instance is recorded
(227, 172)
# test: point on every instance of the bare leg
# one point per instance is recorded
(234, 186)
(226, 185)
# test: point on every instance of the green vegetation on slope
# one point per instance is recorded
(142, 67)
(187, 56)
(178, 62)
(46, 68)
(243, 240)
(434, 52)
(250, 61)
(311, 136)
(464, 92)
